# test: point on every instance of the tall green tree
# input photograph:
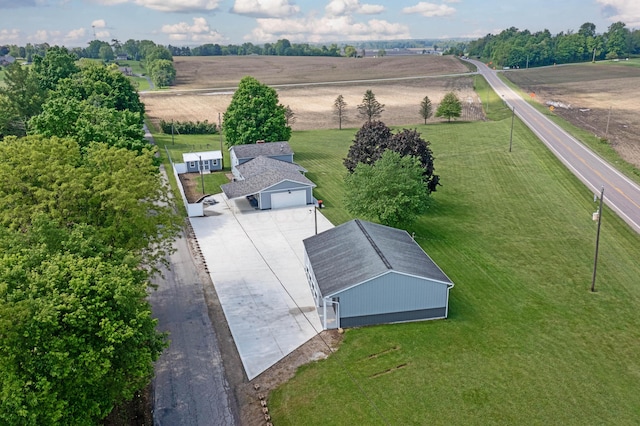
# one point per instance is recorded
(20, 99)
(77, 335)
(117, 192)
(87, 122)
(391, 190)
(103, 87)
(340, 110)
(57, 64)
(617, 38)
(370, 108)
(426, 109)
(450, 107)
(162, 72)
(255, 114)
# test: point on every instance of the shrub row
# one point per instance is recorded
(188, 127)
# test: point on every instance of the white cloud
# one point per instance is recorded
(430, 9)
(343, 7)
(200, 31)
(11, 36)
(75, 34)
(99, 23)
(42, 36)
(327, 28)
(627, 11)
(185, 6)
(103, 34)
(265, 8)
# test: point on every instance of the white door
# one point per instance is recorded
(280, 200)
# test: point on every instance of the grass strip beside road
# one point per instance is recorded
(526, 341)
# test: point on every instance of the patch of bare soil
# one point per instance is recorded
(189, 184)
(254, 395)
(602, 99)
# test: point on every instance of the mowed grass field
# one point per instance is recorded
(526, 342)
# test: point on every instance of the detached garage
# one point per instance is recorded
(272, 184)
(361, 273)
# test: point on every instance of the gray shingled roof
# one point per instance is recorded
(358, 251)
(262, 173)
(268, 149)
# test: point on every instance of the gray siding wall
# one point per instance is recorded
(406, 316)
(392, 293)
(194, 166)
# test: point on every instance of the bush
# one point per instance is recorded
(188, 127)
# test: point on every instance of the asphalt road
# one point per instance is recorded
(621, 194)
(190, 385)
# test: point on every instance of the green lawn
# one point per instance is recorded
(179, 144)
(526, 342)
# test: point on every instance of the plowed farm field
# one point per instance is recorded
(310, 85)
(601, 98)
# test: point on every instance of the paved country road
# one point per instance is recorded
(621, 194)
(190, 384)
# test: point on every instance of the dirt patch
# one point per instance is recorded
(252, 394)
(400, 84)
(599, 98)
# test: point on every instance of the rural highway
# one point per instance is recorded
(620, 193)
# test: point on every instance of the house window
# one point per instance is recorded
(192, 164)
(214, 162)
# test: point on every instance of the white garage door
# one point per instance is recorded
(281, 200)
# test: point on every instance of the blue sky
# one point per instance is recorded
(194, 22)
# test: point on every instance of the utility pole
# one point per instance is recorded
(595, 257)
(487, 97)
(220, 131)
(594, 55)
(527, 61)
(513, 116)
(606, 132)
(200, 166)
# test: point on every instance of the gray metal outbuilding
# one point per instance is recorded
(362, 273)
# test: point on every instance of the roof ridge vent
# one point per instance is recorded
(373, 244)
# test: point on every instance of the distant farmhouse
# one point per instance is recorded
(6, 60)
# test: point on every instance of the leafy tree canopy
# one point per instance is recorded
(117, 192)
(103, 87)
(86, 122)
(391, 190)
(374, 138)
(255, 114)
(450, 107)
(20, 99)
(77, 336)
(58, 63)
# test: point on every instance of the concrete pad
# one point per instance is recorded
(256, 262)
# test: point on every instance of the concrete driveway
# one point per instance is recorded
(256, 262)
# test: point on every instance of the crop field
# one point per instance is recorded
(601, 98)
(205, 86)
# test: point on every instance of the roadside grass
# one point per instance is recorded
(595, 143)
(526, 342)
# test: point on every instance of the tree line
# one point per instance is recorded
(84, 222)
(521, 48)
